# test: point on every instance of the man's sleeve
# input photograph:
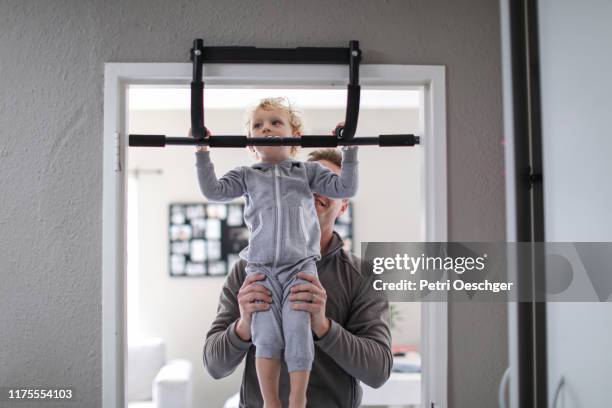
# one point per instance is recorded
(325, 182)
(231, 185)
(363, 347)
(223, 349)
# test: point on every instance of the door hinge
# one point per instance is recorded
(534, 178)
(118, 164)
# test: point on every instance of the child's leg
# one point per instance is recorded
(299, 384)
(267, 336)
(299, 345)
(268, 373)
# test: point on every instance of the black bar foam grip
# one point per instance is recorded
(319, 141)
(147, 140)
(227, 141)
(397, 140)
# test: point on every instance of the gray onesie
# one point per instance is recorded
(284, 239)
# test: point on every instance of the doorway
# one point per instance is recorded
(127, 86)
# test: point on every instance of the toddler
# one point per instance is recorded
(284, 237)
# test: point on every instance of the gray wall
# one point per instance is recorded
(51, 73)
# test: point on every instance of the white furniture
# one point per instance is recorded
(403, 388)
(152, 381)
(400, 390)
(233, 401)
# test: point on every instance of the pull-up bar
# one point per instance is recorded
(344, 135)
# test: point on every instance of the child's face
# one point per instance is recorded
(271, 123)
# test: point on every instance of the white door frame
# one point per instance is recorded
(117, 76)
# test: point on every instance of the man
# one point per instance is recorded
(348, 320)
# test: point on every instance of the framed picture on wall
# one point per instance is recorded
(206, 238)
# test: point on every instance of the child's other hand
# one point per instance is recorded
(202, 148)
(341, 124)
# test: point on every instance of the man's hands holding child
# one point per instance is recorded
(248, 295)
(314, 299)
(310, 297)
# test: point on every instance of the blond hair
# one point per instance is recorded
(282, 104)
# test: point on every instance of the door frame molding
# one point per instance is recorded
(430, 79)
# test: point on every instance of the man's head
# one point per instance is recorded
(328, 209)
(273, 117)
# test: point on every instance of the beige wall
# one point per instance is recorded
(182, 310)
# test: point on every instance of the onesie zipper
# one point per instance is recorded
(278, 214)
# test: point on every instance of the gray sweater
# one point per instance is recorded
(357, 346)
